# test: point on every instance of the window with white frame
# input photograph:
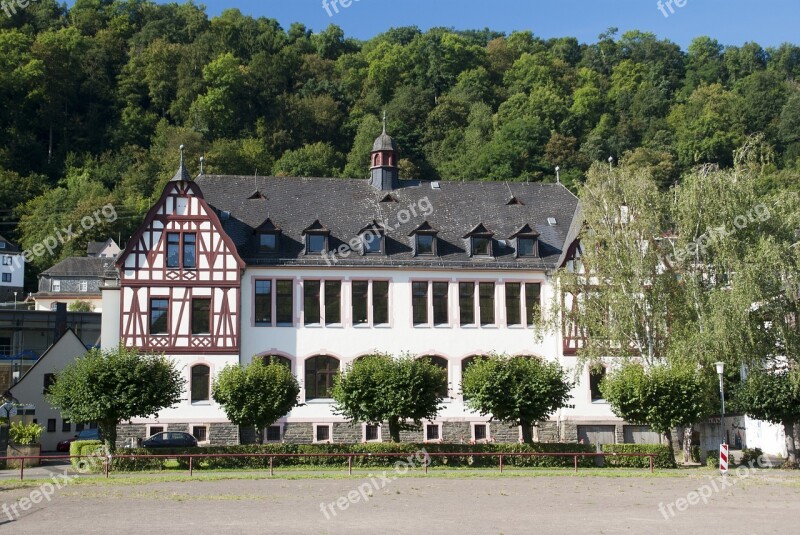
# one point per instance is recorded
(154, 429)
(56, 286)
(274, 294)
(480, 432)
(83, 286)
(372, 433)
(322, 302)
(273, 433)
(323, 433)
(433, 432)
(6, 260)
(200, 432)
(6, 277)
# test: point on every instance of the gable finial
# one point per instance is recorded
(384, 121)
(181, 174)
(202, 164)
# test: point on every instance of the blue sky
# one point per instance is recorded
(768, 22)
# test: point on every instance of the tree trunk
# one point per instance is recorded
(527, 431)
(394, 428)
(791, 451)
(668, 434)
(109, 431)
(687, 444)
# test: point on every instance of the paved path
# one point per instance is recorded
(765, 502)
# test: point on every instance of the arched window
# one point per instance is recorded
(201, 383)
(442, 363)
(320, 372)
(266, 359)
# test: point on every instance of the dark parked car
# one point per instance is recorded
(86, 434)
(170, 439)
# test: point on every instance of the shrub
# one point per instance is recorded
(25, 434)
(751, 455)
(712, 459)
(663, 459)
(372, 455)
(696, 454)
(81, 450)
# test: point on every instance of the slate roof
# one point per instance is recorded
(10, 247)
(345, 206)
(384, 142)
(81, 266)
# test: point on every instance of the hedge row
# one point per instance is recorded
(367, 456)
(664, 458)
(88, 451)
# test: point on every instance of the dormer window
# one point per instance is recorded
(527, 242)
(480, 241)
(316, 237)
(268, 243)
(425, 240)
(268, 237)
(373, 238)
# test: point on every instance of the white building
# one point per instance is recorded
(321, 271)
(12, 272)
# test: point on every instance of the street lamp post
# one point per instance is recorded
(720, 371)
(15, 300)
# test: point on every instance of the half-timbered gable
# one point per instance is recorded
(180, 278)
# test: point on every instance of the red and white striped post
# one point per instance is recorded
(723, 458)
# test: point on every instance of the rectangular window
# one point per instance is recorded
(372, 243)
(333, 302)
(419, 302)
(311, 310)
(274, 433)
(360, 305)
(201, 316)
(173, 250)
(79, 427)
(200, 432)
(432, 432)
(466, 303)
(51, 425)
(263, 303)
(315, 243)
(425, 244)
(481, 246)
(533, 296)
(190, 251)
(371, 433)
(83, 286)
(323, 433)
(92, 425)
(156, 429)
(480, 432)
(486, 296)
(268, 243)
(66, 426)
(380, 303)
(525, 247)
(441, 315)
(159, 316)
(513, 304)
(6, 277)
(284, 302)
(6, 260)
(56, 286)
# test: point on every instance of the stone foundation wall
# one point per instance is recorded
(227, 434)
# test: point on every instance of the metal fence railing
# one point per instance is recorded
(108, 461)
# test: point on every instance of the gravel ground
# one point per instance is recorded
(764, 502)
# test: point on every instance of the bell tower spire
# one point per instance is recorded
(384, 174)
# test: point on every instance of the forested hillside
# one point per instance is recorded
(96, 100)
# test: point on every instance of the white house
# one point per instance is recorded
(321, 271)
(12, 272)
(31, 389)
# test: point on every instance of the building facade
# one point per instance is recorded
(321, 271)
(12, 272)
(76, 280)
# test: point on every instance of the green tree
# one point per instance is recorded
(772, 394)
(516, 390)
(379, 388)
(112, 386)
(316, 160)
(257, 394)
(662, 396)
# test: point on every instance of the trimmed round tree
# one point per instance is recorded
(516, 390)
(662, 396)
(773, 395)
(109, 387)
(256, 395)
(379, 388)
